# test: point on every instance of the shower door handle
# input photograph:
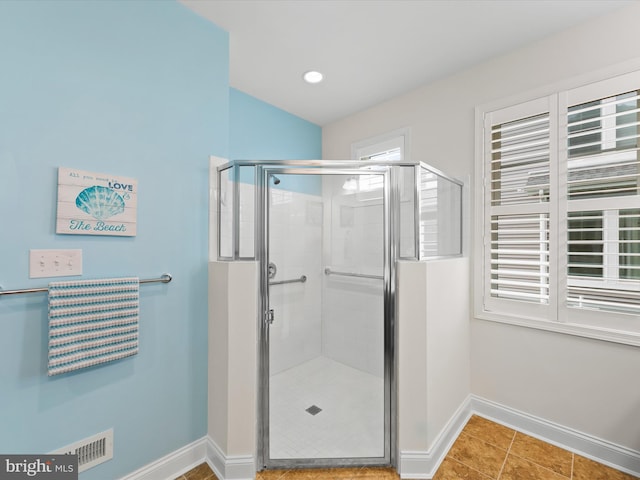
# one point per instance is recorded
(269, 316)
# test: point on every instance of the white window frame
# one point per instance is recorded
(400, 138)
(397, 139)
(492, 305)
(556, 316)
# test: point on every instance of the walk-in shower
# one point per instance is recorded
(327, 236)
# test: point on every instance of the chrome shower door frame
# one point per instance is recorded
(390, 232)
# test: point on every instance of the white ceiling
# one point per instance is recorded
(371, 51)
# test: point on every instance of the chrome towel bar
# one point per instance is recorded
(328, 271)
(302, 279)
(164, 278)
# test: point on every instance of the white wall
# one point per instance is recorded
(447, 341)
(542, 373)
(589, 385)
(433, 346)
(233, 347)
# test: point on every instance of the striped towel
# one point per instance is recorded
(92, 322)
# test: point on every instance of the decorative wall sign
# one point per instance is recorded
(96, 203)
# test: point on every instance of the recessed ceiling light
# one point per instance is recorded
(313, 77)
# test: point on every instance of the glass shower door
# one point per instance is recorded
(326, 398)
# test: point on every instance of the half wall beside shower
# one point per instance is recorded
(327, 236)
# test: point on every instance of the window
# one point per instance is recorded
(561, 209)
(389, 147)
(386, 148)
(602, 166)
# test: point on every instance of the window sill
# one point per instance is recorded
(603, 334)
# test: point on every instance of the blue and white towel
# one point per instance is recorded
(92, 322)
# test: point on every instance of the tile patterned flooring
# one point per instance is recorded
(350, 423)
(484, 450)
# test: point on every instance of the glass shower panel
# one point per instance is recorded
(225, 213)
(407, 193)
(440, 215)
(428, 214)
(328, 236)
(449, 218)
(326, 342)
(246, 207)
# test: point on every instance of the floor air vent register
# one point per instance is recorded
(91, 451)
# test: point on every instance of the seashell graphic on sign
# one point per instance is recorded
(92, 203)
(100, 202)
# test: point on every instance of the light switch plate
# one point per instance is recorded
(55, 263)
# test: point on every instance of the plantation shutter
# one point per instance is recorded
(519, 209)
(601, 178)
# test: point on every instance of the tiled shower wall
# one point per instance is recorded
(352, 315)
(295, 247)
(338, 317)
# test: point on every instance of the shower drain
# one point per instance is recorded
(313, 410)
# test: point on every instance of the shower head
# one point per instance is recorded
(276, 180)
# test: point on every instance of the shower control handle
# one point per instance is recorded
(269, 316)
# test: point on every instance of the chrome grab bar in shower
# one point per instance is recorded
(328, 271)
(302, 279)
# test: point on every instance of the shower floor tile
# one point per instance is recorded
(350, 420)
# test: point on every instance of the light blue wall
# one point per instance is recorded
(260, 131)
(131, 88)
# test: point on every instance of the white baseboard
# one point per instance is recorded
(602, 451)
(419, 465)
(184, 459)
(413, 464)
(423, 465)
(174, 464)
(236, 467)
